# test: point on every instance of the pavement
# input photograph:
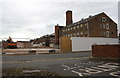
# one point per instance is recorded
(65, 64)
(26, 51)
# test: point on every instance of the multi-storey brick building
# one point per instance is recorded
(99, 25)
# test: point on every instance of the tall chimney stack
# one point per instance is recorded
(69, 18)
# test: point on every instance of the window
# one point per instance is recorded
(103, 19)
(81, 33)
(107, 26)
(78, 33)
(81, 25)
(104, 33)
(68, 29)
(74, 27)
(68, 35)
(107, 33)
(87, 26)
(103, 26)
(65, 35)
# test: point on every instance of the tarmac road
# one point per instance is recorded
(42, 59)
(66, 64)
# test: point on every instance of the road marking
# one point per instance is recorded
(80, 74)
(115, 73)
(93, 70)
(58, 59)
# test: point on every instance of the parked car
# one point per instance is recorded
(32, 51)
(51, 51)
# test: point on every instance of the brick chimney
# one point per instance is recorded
(69, 18)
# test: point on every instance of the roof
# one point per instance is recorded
(85, 20)
(44, 38)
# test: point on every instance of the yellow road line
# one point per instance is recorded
(44, 60)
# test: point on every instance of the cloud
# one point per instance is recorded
(119, 16)
(35, 18)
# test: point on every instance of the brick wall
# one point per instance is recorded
(57, 34)
(106, 51)
(96, 29)
(69, 17)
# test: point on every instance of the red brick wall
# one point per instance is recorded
(57, 28)
(107, 51)
(69, 17)
(57, 34)
(95, 27)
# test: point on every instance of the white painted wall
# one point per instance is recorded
(51, 45)
(37, 45)
(85, 43)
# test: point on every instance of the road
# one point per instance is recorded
(66, 64)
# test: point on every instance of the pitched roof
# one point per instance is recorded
(86, 19)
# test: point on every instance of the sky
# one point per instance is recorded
(35, 18)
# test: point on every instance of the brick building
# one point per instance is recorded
(57, 33)
(23, 44)
(46, 41)
(99, 25)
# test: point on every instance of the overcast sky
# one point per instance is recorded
(34, 18)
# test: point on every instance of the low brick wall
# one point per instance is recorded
(106, 51)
